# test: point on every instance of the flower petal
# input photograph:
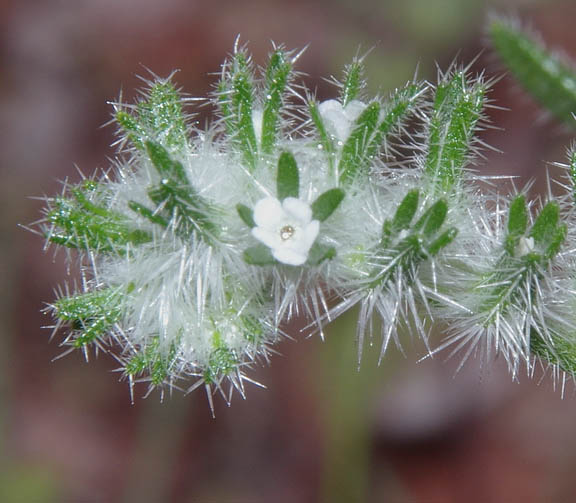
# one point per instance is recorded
(354, 109)
(298, 210)
(268, 213)
(309, 235)
(289, 256)
(270, 237)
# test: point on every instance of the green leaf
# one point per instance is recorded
(406, 211)
(456, 111)
(236, 104)
(397, 108)
(353, 81)
(153, 360)
(77, 222)
(545, 225)
(178, 203)
(320, 253)
(432, 219)
(549, 78)
(166, 167)
(326, 204)
(147, 214)
(158, 118)
(442, 241)
(246, 214)
(556, 241)
(358, 147)
(259, 254)
(325, 141)
(558, 351)
(288, 179)
(277, 78)
(91, 315)
(222, 361)
(132, 127)
(184, 209)
(518, 216)
(374, 126)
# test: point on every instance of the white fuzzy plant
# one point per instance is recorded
(200, 245)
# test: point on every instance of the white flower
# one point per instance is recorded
(524, 247)
(339, 119)
(286, 228)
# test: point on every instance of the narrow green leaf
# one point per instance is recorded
(259, 254)
(457, 109)
(79, 223)
(326, 204)
(288, 178)
(325, 141)
(518, 216)
(545, 225)
(277, 78)
(432, 219)
(184, 209)
(517, 224)
(397, 108)
(91, 314)
(442, 241)
(132, 127)
(320, 253)
(352, 81)
(158, 118)
(549, 78)
(374, 126)
(356, 151)
(236, 104)
(222, 361)
(558, 351)
(152, 360)
(164, 164)
(246, 214)
(406, 211)
(147, 213)
(162, 116)
(556, 241)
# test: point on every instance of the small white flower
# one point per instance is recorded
(339, 119)
(286, 228)
(524, 247)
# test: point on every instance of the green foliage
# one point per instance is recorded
(77, 222)
(558, 351)
(353, 81)
(546, 76)
(457, 108)
(246, 214)
(236, 93)
(259, 254)
(178, 203)
(90, 315)
(519, 264)
(326, 204)
(288, 178)
(222, 361)
(320, 253)
(153, 361)
(277, 78)
(158, 118)
(405, 245)
(325, 141)
(374, 125)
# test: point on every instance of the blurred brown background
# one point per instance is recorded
(405, 432)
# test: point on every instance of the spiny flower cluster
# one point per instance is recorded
(201, 244)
